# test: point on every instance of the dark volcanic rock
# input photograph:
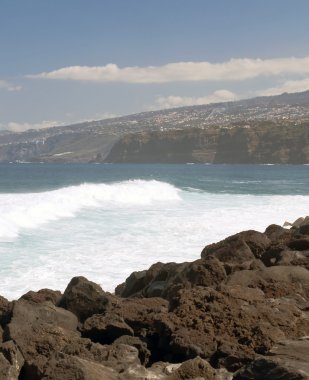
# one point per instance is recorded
(300, 244)
(5, 311)
(11, 361)
(278, 234)
(276, 281)
(239, 248)
(66, 367)
(228, 327)
(194, 369)
(242, 307)
(85, 298)
(105, 328)
(43, 295)
(165, 280)
(143, 352)
(288, 360)
(39, 330)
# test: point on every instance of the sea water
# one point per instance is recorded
(105, 221)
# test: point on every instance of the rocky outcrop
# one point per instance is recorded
(240, 312)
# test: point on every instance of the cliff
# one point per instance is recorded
(263, 143)
(218, 132)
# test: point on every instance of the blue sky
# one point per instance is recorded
(63, 61)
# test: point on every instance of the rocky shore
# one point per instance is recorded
(239, 312)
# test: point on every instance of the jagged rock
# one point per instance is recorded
(165, 280)
(105, 328)
(39, 330)
(149, 283)
(85, 298)
(194, 369)
(65, 367)
(276, 281)
(300, 244)
(298, 222)
(304, 229)
(11, 361)
(86, 349)
(281, 255)
(227, 326)
(133, 284)
(278, 234)
(288, 360)
(5, 311)
(143, 352)
(239, 248)
(43, 295)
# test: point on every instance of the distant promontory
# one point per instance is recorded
(262, 130)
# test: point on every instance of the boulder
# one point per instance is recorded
(143, 352)
(11, 361)
(228, 326)
(105, 328)
(278, 234)
(165, 280)
(85, 298)
(300, 244)
(43, 295)
(5, 311)
(239, 248)
(39, 330)
(196, 368)
(276, 281)
(287, 360)
(65, 367)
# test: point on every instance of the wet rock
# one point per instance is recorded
(105, 328)
(85, 298)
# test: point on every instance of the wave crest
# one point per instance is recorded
(31, 210)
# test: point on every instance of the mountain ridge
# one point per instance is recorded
(93, 141)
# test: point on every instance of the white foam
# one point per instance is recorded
(32, 210)
(123, 227)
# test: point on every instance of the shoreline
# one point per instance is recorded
(238, 311)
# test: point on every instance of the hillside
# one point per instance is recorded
(250, 128)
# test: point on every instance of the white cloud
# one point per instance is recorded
(70, 119)
(21, 127)
(9, 86)
(234, 69)
(288, 86)
(180, 101)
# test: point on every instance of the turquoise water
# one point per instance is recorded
(105, 221)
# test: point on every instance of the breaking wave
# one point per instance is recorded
(31, 210)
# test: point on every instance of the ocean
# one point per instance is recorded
(105, 221)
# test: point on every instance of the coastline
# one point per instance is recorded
(239, 311)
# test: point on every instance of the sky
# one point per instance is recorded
(65, 61)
